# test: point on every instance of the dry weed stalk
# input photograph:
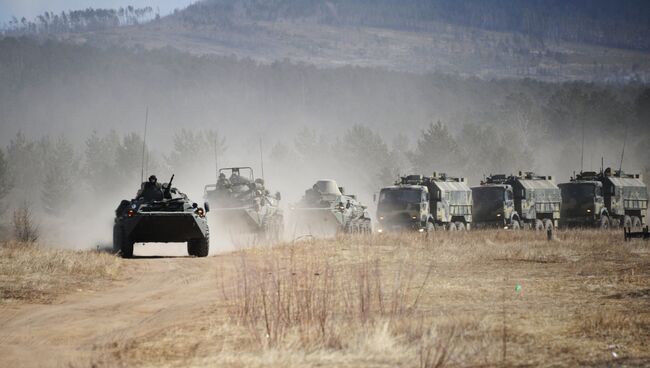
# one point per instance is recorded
(25, 230)
(286, 291)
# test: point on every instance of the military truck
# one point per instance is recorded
(161, 214)
(326, 210)
(526, 200)
(242, 205)
(604, 199)
(424, 203)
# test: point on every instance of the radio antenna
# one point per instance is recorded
(144, 143)
(582, 149)
(216, 158)
(620, 167)
(261, 158)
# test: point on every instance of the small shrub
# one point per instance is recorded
(25, 230)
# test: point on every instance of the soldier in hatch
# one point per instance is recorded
(151, 190)
(313, 195)
(223, 182)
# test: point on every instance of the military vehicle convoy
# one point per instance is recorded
(242, 205)
(161, 214)
(326, 210)
(604, 199)
(525, 200)
(425, 203)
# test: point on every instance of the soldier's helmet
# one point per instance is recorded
(259, 181)
(222, 176)
(153, 179)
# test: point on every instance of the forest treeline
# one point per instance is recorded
(83, 20)
(361, 124)
(612, 23)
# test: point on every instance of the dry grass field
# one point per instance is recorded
(29, 273)
(483, 298)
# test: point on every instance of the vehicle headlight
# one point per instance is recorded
(380, 230)
(414, 217)
(381, 217)
(588, 210)
(200, 212)
(130, 213)
(498, 215)
(421, 230)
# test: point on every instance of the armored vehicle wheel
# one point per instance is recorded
(127, 248)
(539, 225)
(121, 242)
(515, 225)
(198, 247)
(451, 226)
(548, 224)
(460, 226)
(604, 222)
(627, 221)
(117, 238)
(367, 226)
(636, 223)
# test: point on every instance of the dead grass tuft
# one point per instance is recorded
(38, 275)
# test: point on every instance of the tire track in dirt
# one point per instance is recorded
(159, 293)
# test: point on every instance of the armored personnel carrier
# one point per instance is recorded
(424, 203)
(242, 205)
(524, 200)
(326, 210)
(605, 199)
(161, 214)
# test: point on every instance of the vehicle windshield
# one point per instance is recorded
(394, 199)
(577, 191)
(488, 194)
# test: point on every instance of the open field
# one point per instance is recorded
(488, 298)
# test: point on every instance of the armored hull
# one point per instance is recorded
(326, 211)
(241, 206)
(170, 220)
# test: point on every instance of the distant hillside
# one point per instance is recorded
(552, 40)
(615, 23)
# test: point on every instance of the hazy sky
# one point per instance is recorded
(31, 8)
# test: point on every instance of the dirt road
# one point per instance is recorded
(157, 294)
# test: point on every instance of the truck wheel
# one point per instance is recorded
(636, 223)
(604, 222)
(460, 226)
(515, 225)
(548, 224)
(451, 226)
(539, 225)
(198, 247)
(627, 221)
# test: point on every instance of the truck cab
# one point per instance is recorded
(494, 206)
